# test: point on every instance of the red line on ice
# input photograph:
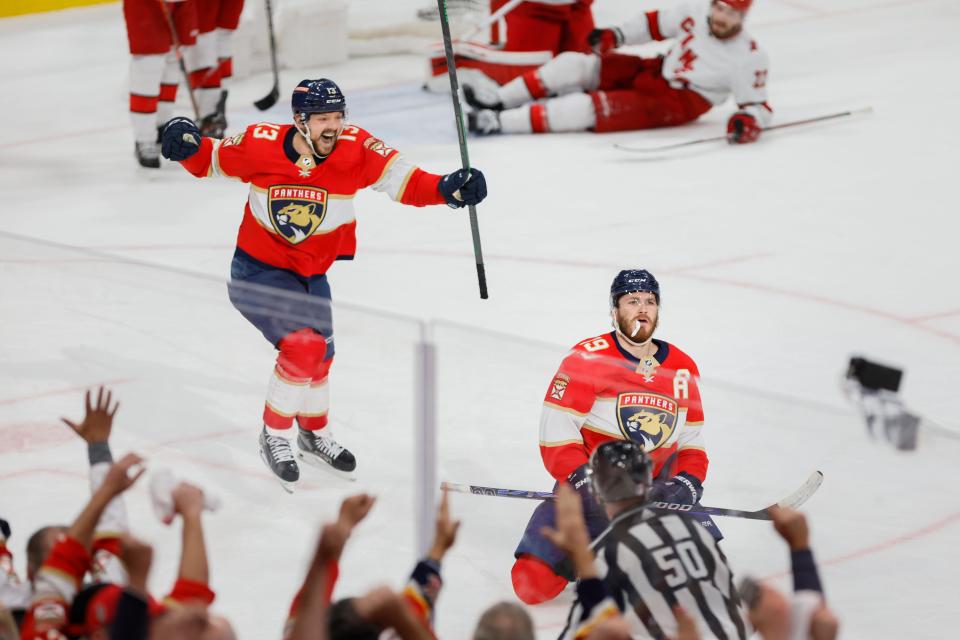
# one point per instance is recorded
(883, 546)
(936, 316)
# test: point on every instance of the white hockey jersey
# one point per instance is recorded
(698, 60)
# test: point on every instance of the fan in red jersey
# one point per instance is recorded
(711, 58)
(298, 219)
(620, 385)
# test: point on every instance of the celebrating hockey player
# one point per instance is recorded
(711, 58)
(650, 562)
(621, 385)
(298, 219)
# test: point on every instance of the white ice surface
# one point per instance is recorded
(778, 261)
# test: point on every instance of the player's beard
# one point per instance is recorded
(629, 328)
(324, 146)
(728, 33)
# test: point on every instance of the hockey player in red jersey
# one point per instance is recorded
(298, 219)
(620, 385)
(711, 59)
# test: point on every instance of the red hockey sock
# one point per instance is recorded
(534, 581)
(300, 353)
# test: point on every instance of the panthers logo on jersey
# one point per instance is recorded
(296, 212)
(647, 418)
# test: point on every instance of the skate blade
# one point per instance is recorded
(287, 486)
(320, 463)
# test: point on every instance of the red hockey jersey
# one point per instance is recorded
(601, 393)
(299, 215)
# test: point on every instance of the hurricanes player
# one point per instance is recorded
(299, 218)
(621, 385)
(711, 58)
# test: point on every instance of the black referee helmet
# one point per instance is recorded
(620, 470)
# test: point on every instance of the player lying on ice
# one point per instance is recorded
(621, 385)
(298, 219)
(711, 58)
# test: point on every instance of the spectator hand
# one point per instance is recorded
(355, 508)
(463, 187)
(180, 139)
(571, 535)
(187, 500)
(123, 474)
(604, 40)
(682, 488)
(446, 532)
(743, 128)
(98, 419)
(792, 527)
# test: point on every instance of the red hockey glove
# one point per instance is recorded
(742, 128)
(604, 40)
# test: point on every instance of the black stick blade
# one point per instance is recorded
(268, 100)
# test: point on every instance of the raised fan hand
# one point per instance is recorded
(98, 418)
(123, 474)
(355, 508)
(792, 527)
(446, 531)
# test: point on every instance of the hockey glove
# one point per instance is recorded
(742, 128)
(4, 530)
(604, 40)
(180, 139)
(463, 187)
(579, 479)
(682, 488)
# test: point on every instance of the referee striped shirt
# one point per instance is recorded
(649, 562)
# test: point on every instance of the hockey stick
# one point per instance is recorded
(690, 143)
(270, 99)
(462, 139)
(179, 53)
(794, 500)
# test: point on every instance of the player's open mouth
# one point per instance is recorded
(329, 136)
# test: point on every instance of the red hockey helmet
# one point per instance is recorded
(738, 5)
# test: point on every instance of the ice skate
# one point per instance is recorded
(213, 126)
(277, 454)
(321, 450)
(147, 155)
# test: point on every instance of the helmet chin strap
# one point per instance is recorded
(303, 129)
(626, 338)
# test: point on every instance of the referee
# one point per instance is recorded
(650, 562)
